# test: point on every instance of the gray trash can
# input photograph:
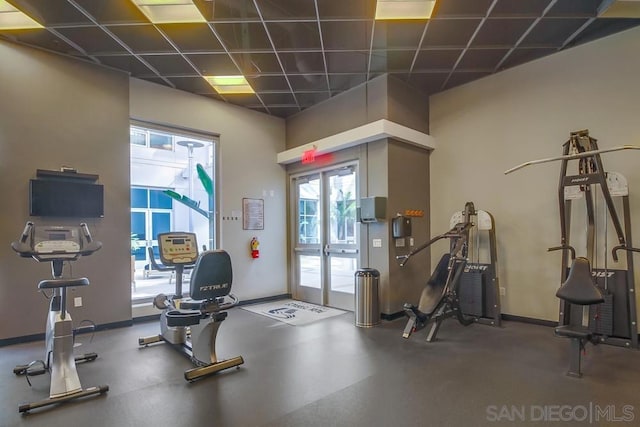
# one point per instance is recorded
(367, 310)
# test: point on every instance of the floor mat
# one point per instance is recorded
(293, 312)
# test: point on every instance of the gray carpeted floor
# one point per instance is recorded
(331, 373)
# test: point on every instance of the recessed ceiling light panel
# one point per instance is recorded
(170, 11)
(229, 84)
(14, 19)
(404, 9)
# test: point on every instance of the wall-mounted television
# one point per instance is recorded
(66, 198)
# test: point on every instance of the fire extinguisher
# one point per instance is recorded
(255, 244)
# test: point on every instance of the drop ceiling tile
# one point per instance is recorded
(309, 82)
(280, 98)
(295, 35)
(268, 83)
(170, 65)
(522, 55)
(501, 32)
(233, 10)
(127, 63)
(383, 61)
(347, 62)
(193, 85)
(462, 8)
(519, 8)
(142, 38)
(51, 13)
(342, 82)
(552, 32)
(481, 59)
(346, 35)
(92, 39)
(307, 99)
(43, 39)
(302, 62)
(397, 34)
(449, 32)
(243, 99)
(195, 37)
(112, 12)
(575, 8)
(287, 9)
(216, 64)
(243, 36)
(257, 63)
(436, 59)
(603, 28)
(351, 9)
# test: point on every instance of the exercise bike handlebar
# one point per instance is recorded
(458, 231)
(25, 245)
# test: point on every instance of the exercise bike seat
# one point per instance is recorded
(63, 283)
(183, 317)
(579, 287)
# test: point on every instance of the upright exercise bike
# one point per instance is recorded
(57, 244)
(191, 325)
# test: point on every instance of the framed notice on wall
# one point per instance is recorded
(253, 214)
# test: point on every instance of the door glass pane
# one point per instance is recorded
(159, 200)
(342, 274)
(309, 271)
(138, 235)
(160, 223)
(342, 207)
(138, 198)
(308, 212)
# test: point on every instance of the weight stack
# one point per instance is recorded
(601, 317)
(471, 293)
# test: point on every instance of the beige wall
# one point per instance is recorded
(247, 165)
(384, 97)
(55, 112)
(526, 113)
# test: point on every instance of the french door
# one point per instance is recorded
(325, 246)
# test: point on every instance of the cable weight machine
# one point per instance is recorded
(614, 321)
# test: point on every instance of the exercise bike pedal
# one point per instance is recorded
(31, 369)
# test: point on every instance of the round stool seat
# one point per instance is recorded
(63, 283)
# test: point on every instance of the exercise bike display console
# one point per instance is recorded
(178, 248)
(191, 325)
(58, 244)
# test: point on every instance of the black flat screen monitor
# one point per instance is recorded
(62, 198)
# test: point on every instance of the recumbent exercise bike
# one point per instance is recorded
(191, 325)
(57, 244)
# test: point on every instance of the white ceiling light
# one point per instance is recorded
(404, 9)
(13, 19)
(170, 11)
(229, 84)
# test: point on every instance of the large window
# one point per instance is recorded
(172, 189)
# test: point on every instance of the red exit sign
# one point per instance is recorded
(309, 156)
